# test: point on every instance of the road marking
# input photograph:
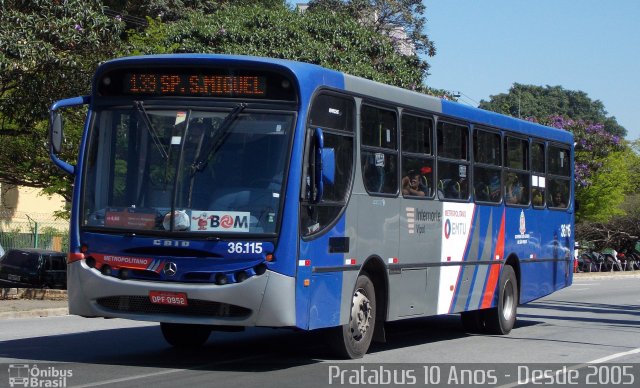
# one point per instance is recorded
(165, 372)
(573, 367)
(614, 356)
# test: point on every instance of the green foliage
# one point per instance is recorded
(402, 20)
(323, 37)
(601, 200)
(529, 101)
(48, 51)
(172, 10)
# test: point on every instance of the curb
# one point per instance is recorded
(607, 275)
(55, 312)
(32, 293)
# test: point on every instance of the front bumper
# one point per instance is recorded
(265, 300)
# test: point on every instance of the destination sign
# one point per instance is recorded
(196, 82)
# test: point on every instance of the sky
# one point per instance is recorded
(484, 46)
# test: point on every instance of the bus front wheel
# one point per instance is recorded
(501, 319)
(185, 335)
(353, 339)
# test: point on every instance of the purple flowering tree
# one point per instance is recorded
(593, 146)
(602, 165)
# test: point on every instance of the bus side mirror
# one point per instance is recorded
(55, 132)
(324, 169)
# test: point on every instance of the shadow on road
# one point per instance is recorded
(256, 349)
(584, 312)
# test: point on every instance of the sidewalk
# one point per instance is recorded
(33, 303)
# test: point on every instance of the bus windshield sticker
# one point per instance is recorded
(129, 218)
(219, 221)
(379, 159)
(180, 117)
(462, 171)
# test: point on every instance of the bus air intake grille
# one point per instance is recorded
(196, 307)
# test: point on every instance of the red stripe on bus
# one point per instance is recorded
(494, 272)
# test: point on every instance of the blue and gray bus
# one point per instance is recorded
(216, 192)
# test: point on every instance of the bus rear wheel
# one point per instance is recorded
(185, 335)
(502, 318)
(353, 339)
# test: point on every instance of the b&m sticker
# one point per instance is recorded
(215, 221)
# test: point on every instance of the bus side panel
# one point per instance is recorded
(414, 288)
(477, 280)
(318, 303)
(549, 268)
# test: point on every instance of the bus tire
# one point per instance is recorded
(185, 335)
(501, 319)
(353, 339)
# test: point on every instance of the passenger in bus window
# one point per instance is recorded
(513, 190)
(538, 197)
(412, 185)
(558, 200)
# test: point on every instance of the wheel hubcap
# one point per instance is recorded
(360, 315)
(508, 301)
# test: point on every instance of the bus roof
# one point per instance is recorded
(311, 76)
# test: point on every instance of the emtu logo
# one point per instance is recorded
(454, 228)
(447, 228)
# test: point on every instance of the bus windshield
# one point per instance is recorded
(186, 170)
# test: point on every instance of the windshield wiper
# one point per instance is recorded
(152, 131)
(201, 160)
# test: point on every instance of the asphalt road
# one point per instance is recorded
(593, 326)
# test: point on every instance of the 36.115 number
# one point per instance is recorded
(245, 247)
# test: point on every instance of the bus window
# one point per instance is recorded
(453, 165)
(516, 179)
(379, 150)
(335, 116)
(417, 159)
(559, 174)
(487, 167)
(538, 181)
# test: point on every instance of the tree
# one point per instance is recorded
(601, 172)
(320, 36)
(530, 101)
(173, 10)
(601, 200)
(402, 20)
(48, 50)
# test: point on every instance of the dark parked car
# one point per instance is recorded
(34, 268)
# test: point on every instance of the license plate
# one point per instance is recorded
(168, 298)
(15, 278)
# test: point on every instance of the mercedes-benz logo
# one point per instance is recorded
(170, 269)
